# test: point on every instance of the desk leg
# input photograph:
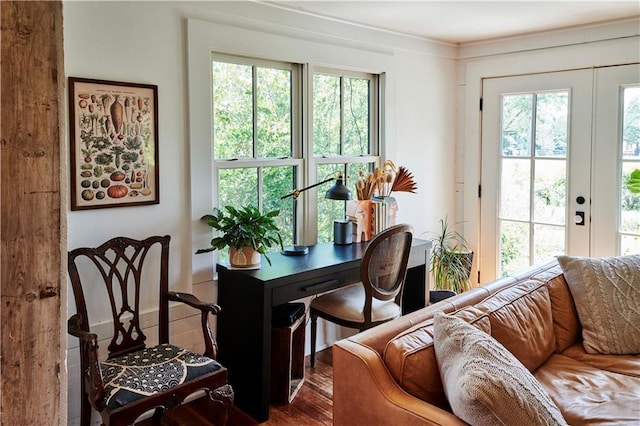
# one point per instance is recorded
(244, 341)
(413, 295)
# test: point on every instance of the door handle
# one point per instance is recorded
(579, 218)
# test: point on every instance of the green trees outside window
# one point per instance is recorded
(259, 139)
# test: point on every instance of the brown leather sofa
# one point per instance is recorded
(388, 375)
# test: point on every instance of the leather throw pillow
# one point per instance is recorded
(484, 383)
(606, 292)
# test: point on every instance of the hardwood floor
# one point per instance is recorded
(312, 406)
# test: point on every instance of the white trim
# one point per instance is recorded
(563, 37)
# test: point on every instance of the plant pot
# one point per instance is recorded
(436, 296)
(466, 258)
(453, 270)
(246, 257)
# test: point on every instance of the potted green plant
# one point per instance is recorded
(450, 263)
(247, 232)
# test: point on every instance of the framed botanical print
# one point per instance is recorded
(114, 143)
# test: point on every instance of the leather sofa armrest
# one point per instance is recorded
(364, 393)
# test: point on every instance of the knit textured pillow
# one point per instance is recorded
(484, 383)
(606, 292)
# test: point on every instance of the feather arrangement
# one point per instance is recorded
(404, 182)
(383, 181)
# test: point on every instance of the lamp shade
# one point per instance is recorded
(338, 191)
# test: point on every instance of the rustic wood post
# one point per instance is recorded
(33, 224)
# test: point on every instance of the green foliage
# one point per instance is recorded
(550, 124)
(451, 260)
(117, 151)
(514, 247)
(243, 227)
(253, 119)
(553, 194)
(104, 159)
(130, 156)
(633, 182)
(133, 143)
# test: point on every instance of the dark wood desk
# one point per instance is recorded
(247, 296)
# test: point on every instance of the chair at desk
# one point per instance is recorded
(378, 297)
(136, 378)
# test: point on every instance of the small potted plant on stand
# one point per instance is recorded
(450, 263)
(247, 232)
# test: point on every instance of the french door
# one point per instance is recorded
(557, 151)
(615, 227)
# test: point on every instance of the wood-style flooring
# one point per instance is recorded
(312, 406)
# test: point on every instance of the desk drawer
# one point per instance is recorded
(306, 288)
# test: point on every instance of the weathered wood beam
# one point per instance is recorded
(32, 221)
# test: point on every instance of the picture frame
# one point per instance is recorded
(113, 128)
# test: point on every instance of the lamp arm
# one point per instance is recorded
(297, 192)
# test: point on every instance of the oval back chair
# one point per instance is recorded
(378, 297)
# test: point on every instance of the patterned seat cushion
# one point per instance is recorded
(151, 370)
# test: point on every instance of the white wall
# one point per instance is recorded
(146, 42)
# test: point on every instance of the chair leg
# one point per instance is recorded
(85, 408)
(314, 330)
(222, 396)
(157, 416)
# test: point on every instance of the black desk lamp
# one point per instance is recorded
(337, 192)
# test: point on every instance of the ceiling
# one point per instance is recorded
(461, 22)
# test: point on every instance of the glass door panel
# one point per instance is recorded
(630, 184)
(530, 150)
(533, 184)
(616, 215)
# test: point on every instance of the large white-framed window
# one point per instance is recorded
(303, 166)
(260, 152)
(257, 137)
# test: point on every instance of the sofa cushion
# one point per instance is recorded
(484, 383)
(606, 292)
(588, 395)
(623, 364)
(521, 321)
(148, 371)
(566, 325)
(411, 359)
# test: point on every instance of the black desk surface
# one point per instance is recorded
(323, 255)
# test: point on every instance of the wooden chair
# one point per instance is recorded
(378, 297)
(135, 379)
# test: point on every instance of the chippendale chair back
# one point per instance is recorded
(136, 378)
